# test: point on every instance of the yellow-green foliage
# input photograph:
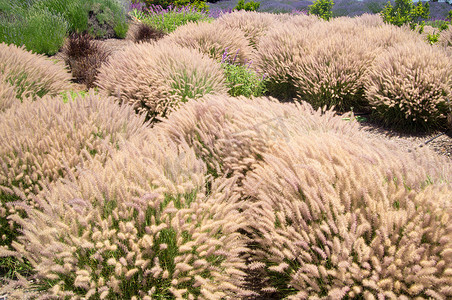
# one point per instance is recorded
(213, 39)
(155, 77)
(343, 217)
(142, 225)
(32, 74)
(409, 85)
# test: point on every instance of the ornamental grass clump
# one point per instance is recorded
(156, 77)
(230, 134)
(146, 33)
(368, 20)
(276, 54)
(253, 24)
(84, 56)
(143, 226)
(333, 72)
(7, 95)
(32, 75)
(42, 141)
(386, 35)
(409, 85)
(445, 38)
(213, 39)
(303, 20)
(340, 217)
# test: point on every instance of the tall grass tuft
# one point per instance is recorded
(43, 141)
(340, 217)
(409, 85)
(7, 94)
(157, 77)
(30, 74)
(37, 28)
(141, 226)
(213, 39)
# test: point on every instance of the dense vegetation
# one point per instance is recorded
(174, 168)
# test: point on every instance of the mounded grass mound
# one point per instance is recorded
(45, 140)
(339, 217)
(213, 39)
(409, 86)
(276, 55)
(333, 72)
(148, 224)
(230, 134)
(156, 77)
(32, 75)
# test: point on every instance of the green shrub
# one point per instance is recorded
(249, 6)
(107, 19)
(440, 24)
(322, 9)
(405, 12)
(167, 20)
(241, 79)
(39, 29)
(433, 38)
(198, 5)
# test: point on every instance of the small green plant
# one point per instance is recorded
(433, 38)
(74, 94)
(405, 12)
(167, 20)
(241, 80)
(249, 6)
(322, 9)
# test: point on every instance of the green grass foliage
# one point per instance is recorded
(42, 26)
(167, 20)
(248, 6)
